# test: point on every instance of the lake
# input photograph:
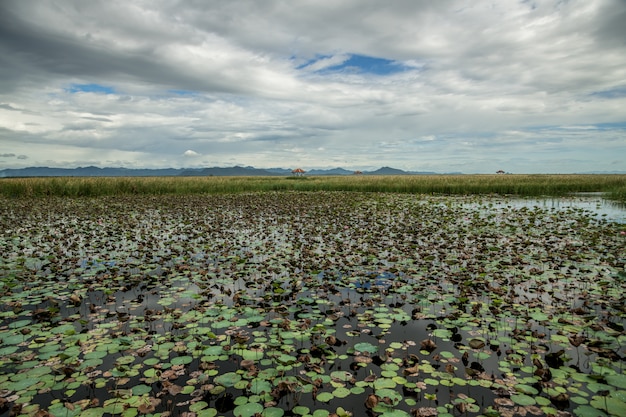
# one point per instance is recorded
(312, 304)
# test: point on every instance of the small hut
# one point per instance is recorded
(358, 172)
(500, 172)
(298, 172)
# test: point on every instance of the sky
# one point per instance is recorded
(468, 86)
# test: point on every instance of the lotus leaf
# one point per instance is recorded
(273, 412)
(248, 410)
(228, 379)
(325, 397)
(395, 413)
(365, 347)
(300, 410)
(616, 380)
(588, 411)
(523, 399)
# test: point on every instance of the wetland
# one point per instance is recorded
(298, 303)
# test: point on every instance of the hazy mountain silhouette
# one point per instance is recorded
(92, 171)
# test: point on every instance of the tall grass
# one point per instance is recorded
(522, 185)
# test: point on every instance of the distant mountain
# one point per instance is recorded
(92, 171)
(387, 171)
(333, 171)
(281, 171)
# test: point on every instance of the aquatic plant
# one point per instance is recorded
(522, 185)
(309, 304)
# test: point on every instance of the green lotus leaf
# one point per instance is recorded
(125, 360)
(395, 413)
(181, 360)
(300, 410)
(597, 387)
(612, 405)
(523, 399)
(13, 339)
(96, 354)
(341, 375)
(60, 410)
(8, 350)
(141, 389)
(588, 411)
(19, 323)
(241, 400)
(273, 412)
(207, 412)
(341, 392)
(38, 372)
(446, 354)
(259, 386)
(286, 359)
(381, 383)
(250, 354)
(92, 412)
(365, 347)
(442, 333)
(325, 397)
(482, 355)
(389, 394)
(22, 383)
(526, 389)
(618, 380)
(431, 381)
(228, 379)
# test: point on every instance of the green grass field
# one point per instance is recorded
(522, 185)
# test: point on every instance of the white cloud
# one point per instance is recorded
(245, 81)
(191, 154)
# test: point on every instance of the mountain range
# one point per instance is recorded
(92, 171)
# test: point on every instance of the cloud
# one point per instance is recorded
(191, 154)
(419, 85)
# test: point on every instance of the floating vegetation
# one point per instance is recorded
(309, 304)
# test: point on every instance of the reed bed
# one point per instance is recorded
(522, 185)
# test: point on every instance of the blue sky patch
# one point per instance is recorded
(612, 126)
(617, 92)
(182, 92)
(355, 64)
(90, 88)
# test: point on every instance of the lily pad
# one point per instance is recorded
(228, 379)
(365, 347)
(523, 399)
(273, 412)
(325, 397)
(248, 409)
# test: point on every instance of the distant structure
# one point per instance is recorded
(500, 172)
(358, 172)
(298, 172)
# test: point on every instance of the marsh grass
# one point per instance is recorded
(522, 185)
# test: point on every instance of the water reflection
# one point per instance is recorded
(592, 203)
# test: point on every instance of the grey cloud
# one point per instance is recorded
(97, 119)
(42, 49)
(228, 79)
